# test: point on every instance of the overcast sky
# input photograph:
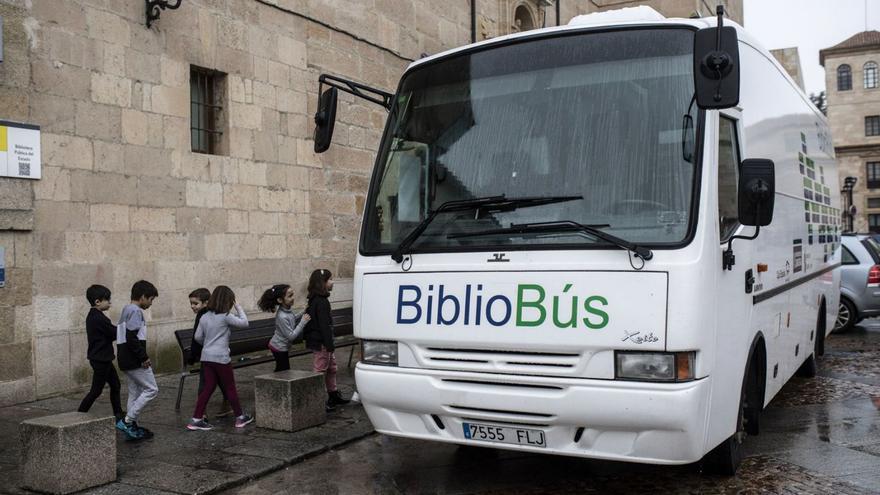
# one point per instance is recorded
(809, 25)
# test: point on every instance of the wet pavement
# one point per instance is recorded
(177, 460)
(819, 436)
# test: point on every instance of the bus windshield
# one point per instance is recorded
(606, 116)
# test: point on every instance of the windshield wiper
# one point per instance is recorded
(564, 226)
(489, 204)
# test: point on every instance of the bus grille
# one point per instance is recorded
(501, 361)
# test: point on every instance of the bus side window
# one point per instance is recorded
(728, 171)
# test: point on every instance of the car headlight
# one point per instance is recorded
(654, 366)
(379, 352)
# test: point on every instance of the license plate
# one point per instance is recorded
(504, 434)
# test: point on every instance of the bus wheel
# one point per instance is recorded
(726, 457)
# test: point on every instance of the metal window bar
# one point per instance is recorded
(203, 110)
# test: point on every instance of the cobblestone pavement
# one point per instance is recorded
(819, 436)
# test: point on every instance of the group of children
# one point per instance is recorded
(217, 314)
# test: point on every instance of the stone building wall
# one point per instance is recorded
(122, 197)
(791, 62)
(846, 114)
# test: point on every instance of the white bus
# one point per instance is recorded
(615, 239)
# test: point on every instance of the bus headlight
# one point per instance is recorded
(654, 366)
(379, 352)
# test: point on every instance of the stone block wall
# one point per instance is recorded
(16, 221)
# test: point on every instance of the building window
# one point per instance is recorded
(207, 91)
(873, 174)
(844, 78)
(874, 223)
(870, 75)
(873, 202)
(872, 125)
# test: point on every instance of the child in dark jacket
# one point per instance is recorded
(319, 334)
(131, 352)
(101, 333)
(288, 325)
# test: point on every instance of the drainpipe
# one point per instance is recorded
(473, 21)
(558, 20)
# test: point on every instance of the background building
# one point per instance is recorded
(853, 99)
(182, 154)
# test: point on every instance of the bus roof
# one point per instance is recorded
(632, 16)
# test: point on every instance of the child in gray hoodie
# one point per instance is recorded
(288, 325)
(213, 333)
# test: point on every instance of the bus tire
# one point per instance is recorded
(727, 456)
(810, 366)
(819, 348)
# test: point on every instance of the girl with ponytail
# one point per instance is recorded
(288, 325)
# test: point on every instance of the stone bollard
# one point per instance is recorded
(290, 400)
(68, 452)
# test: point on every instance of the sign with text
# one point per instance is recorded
(19, 150)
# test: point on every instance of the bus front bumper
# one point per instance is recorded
(657, 423)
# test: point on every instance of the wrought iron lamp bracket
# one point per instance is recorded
(154, 8)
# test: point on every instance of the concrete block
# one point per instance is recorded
(290, 400)
(54, 448)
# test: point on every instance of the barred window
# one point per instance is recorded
(872, 125)
(873, 175)
(874, 223)
(844, 78)
(870, 75)
(207, 90)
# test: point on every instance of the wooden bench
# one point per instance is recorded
(255, 339)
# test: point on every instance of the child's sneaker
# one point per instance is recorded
(145, 433)
(336, 399)
(131, 433)
(243, 420)
(329, 406)
(199, 425)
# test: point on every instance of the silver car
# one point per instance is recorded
(859, 280)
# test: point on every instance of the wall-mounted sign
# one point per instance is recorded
(19, 150)
(2, 267)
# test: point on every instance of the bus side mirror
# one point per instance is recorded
(325, 118)
(716, 66)
(757, 189)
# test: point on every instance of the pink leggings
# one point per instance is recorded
(325, 362)
(216, 373)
